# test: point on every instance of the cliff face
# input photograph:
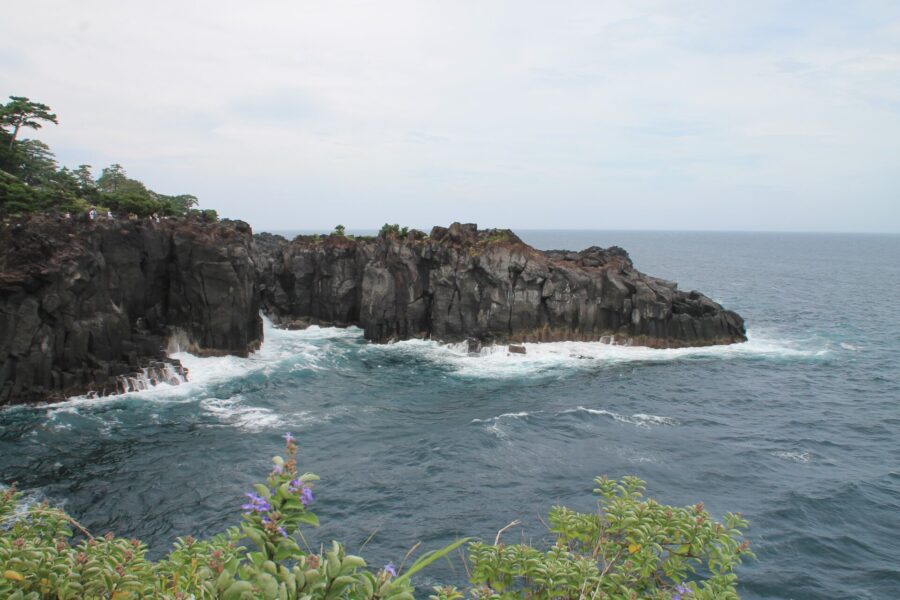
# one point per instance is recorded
(84, 306)
(91, 307)
(487, 286)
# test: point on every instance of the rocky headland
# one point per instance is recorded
(92, 307)
(459, 283)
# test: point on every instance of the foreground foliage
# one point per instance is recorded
(629, 548)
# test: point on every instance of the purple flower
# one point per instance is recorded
(306, 495)
(390, 570)
(288, 438)
(282, 531)
(256, 504)
(278, 469)
(681, 590)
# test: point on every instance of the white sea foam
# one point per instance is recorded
(233, 411)
(793, 455)
(517, 415)
(494, 362)
(638, 419)
(499, 425)
(636, 457)
(317, 348)
(494, 425)
(304, 348)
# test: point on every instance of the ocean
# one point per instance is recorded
(798, 428)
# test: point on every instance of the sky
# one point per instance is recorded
(601, 114)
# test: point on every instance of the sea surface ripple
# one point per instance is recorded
(798, 429)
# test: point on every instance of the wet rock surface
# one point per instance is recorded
(91, 307)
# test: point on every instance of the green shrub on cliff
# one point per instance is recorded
(388, 230)
(630, 548)
(32, 181)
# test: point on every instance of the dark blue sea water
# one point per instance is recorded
(798, 429)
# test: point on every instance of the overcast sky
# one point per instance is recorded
(749, 115)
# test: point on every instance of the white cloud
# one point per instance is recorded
(523, 114)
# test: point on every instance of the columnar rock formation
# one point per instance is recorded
(486, 286)
(90, 307)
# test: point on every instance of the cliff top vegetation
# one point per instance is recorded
(32, 181)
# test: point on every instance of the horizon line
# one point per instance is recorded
(313, 230)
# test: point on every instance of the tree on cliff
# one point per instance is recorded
(31, 180)
(112, 179)
(176, 205)
(34, 162)
(123, 194)
(85, 177)
(22, 112)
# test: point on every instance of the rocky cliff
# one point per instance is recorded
(459, 283)
(90, 307)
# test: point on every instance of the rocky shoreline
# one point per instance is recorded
(92, 307)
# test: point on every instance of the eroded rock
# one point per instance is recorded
(89, 307)
(461, 284)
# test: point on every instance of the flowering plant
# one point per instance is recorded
(38, 560)
(630, 548)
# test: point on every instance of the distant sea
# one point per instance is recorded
(798, 429)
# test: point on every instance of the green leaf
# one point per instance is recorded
(339, 585)
(224, 581)
(284, 492)
(286, 548)
(429, 558)
(309, 518)
(256, 537)
(237, 588)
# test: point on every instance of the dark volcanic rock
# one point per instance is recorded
(91, 307)
(461, 284)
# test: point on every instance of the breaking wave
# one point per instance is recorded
(319, 349)
(551, 358)
(499, 425)
(638, 419)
